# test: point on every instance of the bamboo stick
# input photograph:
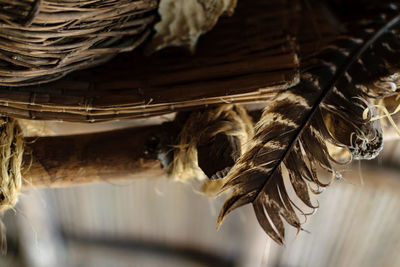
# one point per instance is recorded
(74, 160)
(91, 158)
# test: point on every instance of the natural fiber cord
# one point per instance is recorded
(12, 150)
(231, 120)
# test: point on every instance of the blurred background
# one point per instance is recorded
(160, 222)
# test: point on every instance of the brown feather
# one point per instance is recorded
(293, 135)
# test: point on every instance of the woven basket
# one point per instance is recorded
(43, 40)
(246, 58)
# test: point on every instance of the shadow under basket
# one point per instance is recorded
(43, 40)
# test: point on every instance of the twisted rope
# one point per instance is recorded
(12, 150)
(231, 120)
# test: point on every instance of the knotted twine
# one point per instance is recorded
(229, 119)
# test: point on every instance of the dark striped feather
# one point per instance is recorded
(326, 107)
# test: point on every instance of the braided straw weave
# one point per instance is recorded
(43, 40)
